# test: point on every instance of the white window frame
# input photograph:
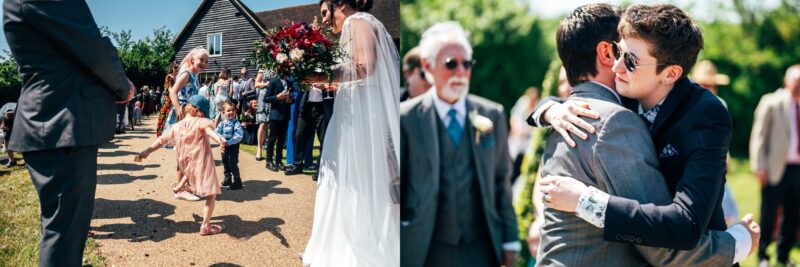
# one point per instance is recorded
(208, 44)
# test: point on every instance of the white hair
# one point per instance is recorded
(439, 35)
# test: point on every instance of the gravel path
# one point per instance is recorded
(137, 222)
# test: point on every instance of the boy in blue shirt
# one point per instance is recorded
(231, 130)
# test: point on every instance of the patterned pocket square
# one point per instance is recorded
(668, 151)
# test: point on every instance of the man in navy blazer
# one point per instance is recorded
(280, 112)
(71, 76)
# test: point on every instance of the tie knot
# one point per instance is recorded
(452, 113)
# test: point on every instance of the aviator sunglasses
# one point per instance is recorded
(628, 58)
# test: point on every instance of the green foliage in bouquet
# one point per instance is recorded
(297, 51)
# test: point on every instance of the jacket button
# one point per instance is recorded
(618, 237)
(639, 240)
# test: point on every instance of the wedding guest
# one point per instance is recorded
(643, 191)
(311, 119)
(137, 113)
(237, 94)
(416, 84)
(704, 73)
(7, 126)
(279, 97)
(249, 123)
(248, 90)
(262, 110)
(195, 160)
(70, 76)
(775, 159)
(460, 165)
(222, 91)
(186, 83)
(231, 131)
(520, 133)
(166, 106)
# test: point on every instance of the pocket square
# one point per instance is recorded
(668, 151)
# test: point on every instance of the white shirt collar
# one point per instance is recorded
(442, 108)
(609, 88)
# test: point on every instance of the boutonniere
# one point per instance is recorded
(482, 124)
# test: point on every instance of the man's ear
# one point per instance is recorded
(672, 74)
(605, 54)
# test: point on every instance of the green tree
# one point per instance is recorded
(10, 83)
(508, 43)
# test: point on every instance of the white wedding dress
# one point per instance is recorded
(356, 215)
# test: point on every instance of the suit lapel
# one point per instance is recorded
(429, 136)
(477, 152)
(673, 99)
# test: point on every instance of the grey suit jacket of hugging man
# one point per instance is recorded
(70, 75)
(420, 175)
(619, 159)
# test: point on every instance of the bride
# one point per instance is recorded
(356, 214)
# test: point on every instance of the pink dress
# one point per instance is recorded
(193, 152)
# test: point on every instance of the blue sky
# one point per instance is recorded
(142, 16)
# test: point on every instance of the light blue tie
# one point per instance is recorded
(454, 128)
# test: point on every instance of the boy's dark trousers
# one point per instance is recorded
(230, 162)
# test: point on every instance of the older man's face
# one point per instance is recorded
(451, 82)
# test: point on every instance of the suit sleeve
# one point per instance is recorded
(502, 182)
(404, 211)
(680, 224)
(71, 27)
(535, 118)
(624, 136)
(271, 96)
(762, 121)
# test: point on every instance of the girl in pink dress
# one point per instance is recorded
(193, 152)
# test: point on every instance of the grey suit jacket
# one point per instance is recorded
(771, 134)
(70, 75)
(621, 160)
(420, 175)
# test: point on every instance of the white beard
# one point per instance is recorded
(451, 92)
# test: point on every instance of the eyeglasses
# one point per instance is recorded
(629, 59)
(452, 63)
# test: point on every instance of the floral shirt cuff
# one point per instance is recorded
(592, 206)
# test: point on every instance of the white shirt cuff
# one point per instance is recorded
(592, 206)
(743, 242)
(512, 246)
(537, 115)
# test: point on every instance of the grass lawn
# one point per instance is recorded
(20, 228)
(747, 192)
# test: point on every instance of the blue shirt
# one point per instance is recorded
(231, 131)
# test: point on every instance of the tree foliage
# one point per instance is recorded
(145, 61)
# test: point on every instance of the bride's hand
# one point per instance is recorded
(565, 119)
(561, 193)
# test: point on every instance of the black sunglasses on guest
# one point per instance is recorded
(452, 63)
(629, 59)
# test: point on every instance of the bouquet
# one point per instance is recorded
(298, 50)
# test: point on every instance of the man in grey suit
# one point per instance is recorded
(71, 76)
(455, 168)
(619, 159)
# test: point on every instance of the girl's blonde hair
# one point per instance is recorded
(187, 61)
(191, 109)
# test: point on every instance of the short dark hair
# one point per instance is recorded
(578, 35)
(675, 38)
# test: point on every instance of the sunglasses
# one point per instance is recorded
(629, 59)
(452, 63)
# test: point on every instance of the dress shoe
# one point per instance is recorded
(11, 163)
(271, 166)
(293, 170)
(235, 186)
(227, 181)
(315, 176)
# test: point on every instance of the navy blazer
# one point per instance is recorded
(279, 109)
(692, 134)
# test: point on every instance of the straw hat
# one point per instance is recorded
(704, 72)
